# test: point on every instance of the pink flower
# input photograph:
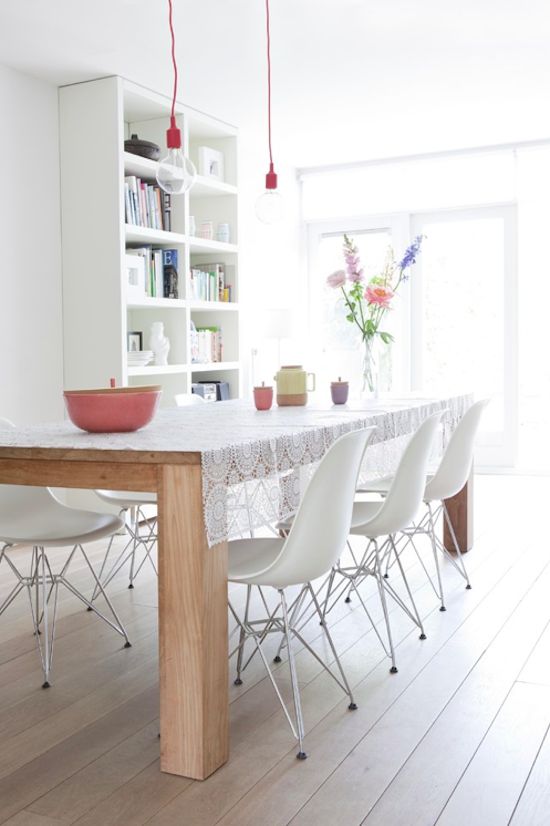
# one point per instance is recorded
(355, 276)
(337, 279)
(379, 295)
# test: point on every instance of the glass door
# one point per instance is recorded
(464, 317)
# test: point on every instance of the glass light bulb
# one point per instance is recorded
(270, 206)
(176, 174)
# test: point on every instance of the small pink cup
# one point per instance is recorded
(263, 397)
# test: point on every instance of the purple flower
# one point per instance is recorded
(410, 253)
(337, 279)
(355, 276)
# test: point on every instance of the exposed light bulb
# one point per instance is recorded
(270, 204)
(176, 173)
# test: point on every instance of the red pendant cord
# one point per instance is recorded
(271, 177)
(173, 135)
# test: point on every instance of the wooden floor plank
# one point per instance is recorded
(533, 807)
(493, 781)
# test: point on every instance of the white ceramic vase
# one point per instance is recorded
(159, 343)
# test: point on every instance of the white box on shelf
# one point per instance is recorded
(135, 277)
(211, 163)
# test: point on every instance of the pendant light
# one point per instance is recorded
(269, 206)
(175, 174)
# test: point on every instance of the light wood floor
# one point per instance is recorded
(459, 735)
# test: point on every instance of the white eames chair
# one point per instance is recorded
(130, 505)
(450, 477)
(314, 543)
(382, 520)
(34, 516)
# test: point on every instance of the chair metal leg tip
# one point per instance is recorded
(393, 669)
(422, 636)
(277, 659)
(237, 681)
(442, 608)
(301, 755)
(347, 599)
(352, 706)
(127, 644)
(130, 585)
(468, 587)
(45, 684)
(158, 735)
(386, 576)
(89, 608)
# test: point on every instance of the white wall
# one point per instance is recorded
(31, 367)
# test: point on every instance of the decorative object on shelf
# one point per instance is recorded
(192, 225)
(339, 391)
(135, 278)
(263, 397)
(292, 385)
(367, 303)
(223, 233)
(139, 358)
(176, 173)
(269, 206)
(211, 163)
(146, 149)
(206, 230)
(112, 409)
(159, 343)
(135, 340)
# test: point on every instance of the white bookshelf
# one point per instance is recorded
(95, 119)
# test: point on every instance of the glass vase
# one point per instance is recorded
(369, 378)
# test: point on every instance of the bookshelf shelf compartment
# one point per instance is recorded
(157, 304)
(146, 235)
(140, 167)
(165, 370)
(213, 306)
(207, 187)
(201, 245)
(212, 366)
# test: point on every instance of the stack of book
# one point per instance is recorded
(206, 344)
(146, 205)
(207, 283)
(161, 270)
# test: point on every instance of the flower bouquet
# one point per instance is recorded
(367, 303)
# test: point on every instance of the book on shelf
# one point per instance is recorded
(170, 273)
(161, 270)
(208, 283)
(206, 344)
(146, 205)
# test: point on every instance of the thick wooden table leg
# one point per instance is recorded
(194, 712)
(460, 510)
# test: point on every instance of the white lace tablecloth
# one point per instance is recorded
(255, 465)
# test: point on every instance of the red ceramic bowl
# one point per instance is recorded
(112, 410)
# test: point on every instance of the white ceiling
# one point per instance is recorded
(351, 78)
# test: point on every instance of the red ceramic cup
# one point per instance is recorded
(263, 397)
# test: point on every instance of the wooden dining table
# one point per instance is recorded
(193, 458)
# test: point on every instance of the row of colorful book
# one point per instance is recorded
(161, 270)
(207, 283)
(146, 205)
(205, 344)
